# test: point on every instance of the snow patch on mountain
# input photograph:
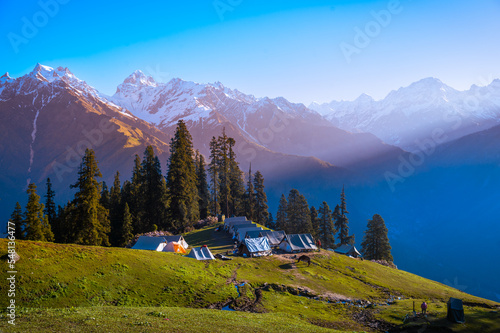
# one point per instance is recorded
(416, 110)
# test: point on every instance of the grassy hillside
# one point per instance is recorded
(118, 289)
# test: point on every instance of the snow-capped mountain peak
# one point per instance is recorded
(413, 111)
(138, 78)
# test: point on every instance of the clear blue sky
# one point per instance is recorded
(266, 48)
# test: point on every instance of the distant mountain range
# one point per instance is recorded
(423, 110)
(444, 195)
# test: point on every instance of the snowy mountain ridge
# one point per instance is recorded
(411, 112)
(163, 104)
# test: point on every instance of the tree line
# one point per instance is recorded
(149, 201)
(191, 190)
(294, 216)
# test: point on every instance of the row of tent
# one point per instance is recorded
(254, 241)
(175, 244)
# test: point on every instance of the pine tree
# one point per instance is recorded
(250, 197)
(36, 223)
(126, 230)
(314, 222)
(214, 177)
(154, 191)
(17, 219)
(237, 188)
(281, 214)
(298, 216)
(116, 211)
(134, 195)
(202, 184)
(50, 205)
(104, 195)
(326, 227)
(261, 208)
(375, 243)
(224, 173)
(342, 222)
(91, 218)
(270, 222)
(182, 180)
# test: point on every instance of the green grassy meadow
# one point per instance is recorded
(72, 288)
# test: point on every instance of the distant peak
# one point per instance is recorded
(364, 98)
(429, 82)
(5, 76)
(41, 68)
(139, 78)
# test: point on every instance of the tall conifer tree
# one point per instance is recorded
(126, 230)
(281, 214)
(237, 188)
(314, 222)
(326, 227)
(91, 218)
(298, 216)
(50, 205)
(116, 211)
(202, 184)
(154, 207)
(214, 177)
(17, 219)
(36, 223)
(375, 243)
(182, 180)
(342, 222)
(250, 197)
(261, 208)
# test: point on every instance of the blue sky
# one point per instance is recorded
(303, 50)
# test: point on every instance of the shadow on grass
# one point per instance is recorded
(286, 266)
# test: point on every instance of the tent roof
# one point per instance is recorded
(253, 233)
(148, 243)
(259, 244)
(346, 249)
(300, 242)
(274, 237)
(235, 219)
(177, 238)
(236, 227)
(243, 231)
(201, 253)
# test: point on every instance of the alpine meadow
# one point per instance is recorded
(216, 166)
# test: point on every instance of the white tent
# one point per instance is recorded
(229, 220)
(298, 243)
(240, 234)
(150, 243)
(255, 247)
(348, 250)
(201, 253)
(178, 239)
(234, 229)
(274, 237)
